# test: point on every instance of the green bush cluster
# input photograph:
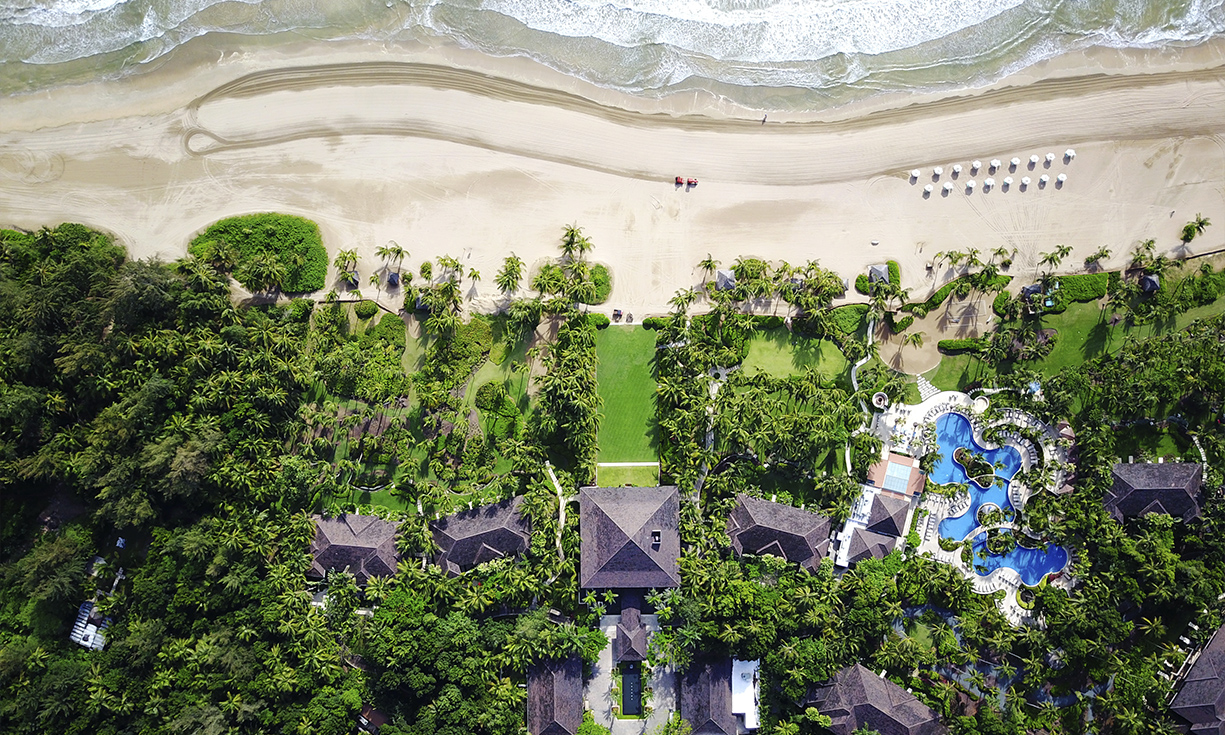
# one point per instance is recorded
(862, 284)
(599, 321)
(981, 281)
(772, 321)
(1000, 304)
(390, 329)
(848, 319)
(294, 242)
(365, 309)
(895, 272)
(656, 322)
(898, 325)
(300, 309)
(956, 346)
(602, 281)
(1083, 288)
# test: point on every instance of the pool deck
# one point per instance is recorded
(901, 429)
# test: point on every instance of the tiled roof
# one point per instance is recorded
(482, 534)
(857, 698)
(869, 545)
(630, 644)
(555, 697)
(618, 526)
(888, 514)
(1140, 488)
(706, 696)
(759, 526)
(365, 545)
(1201, 697)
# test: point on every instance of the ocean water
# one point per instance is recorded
(774, 54)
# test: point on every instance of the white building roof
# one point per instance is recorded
(744, 692)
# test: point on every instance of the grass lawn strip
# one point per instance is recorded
(626, 386)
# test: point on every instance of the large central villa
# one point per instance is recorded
(631, 546)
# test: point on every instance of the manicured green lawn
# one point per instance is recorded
(635, 476)
(1084, 333)
(781, 354)
(626, 385)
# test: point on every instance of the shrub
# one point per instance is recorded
(848, 319)
(656, 322)
(491, 396)
(390, 330)
(1083, 288)
(895, 272)
(898, 325)
(365, 309)
(772, 321)
(599, 321)
(300, 309)
(294, 243)
(602, 281)
(1000, 305)
(956, 346)
(862, 284)
(923, 307)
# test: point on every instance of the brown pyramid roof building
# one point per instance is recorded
(631, 641)
(473, 537)
(364, 545)
(1150, 487)
(1201, 696)
(706, 696)
(555, 697)
(888, 514)
(630, 537)
(856, 698)
(761, 527)
(869, 545)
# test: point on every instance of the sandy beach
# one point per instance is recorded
(453, 153)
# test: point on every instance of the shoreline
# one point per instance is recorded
(447, 151)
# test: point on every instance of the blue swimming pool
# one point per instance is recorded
(953, 431)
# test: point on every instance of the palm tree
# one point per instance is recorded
(709, 265)
(512, 271)
(1194, 227)
(1095, 259)
(914, 339)
(345, 259)
(683, 299)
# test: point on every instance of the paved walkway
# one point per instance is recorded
(598, 693)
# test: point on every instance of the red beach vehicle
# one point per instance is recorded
(692, 182)
(680, 180)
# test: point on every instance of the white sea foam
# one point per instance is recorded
(836, 49)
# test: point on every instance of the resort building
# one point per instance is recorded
(745, 692)
(555, 696)
(858, 699)
(725, 280)
(630, 537)
(761, 527)
(883, 512)
(706, 696)
(1200, 698)
(362, 545)
(1141, 488)
(471, 538)
(89, 629)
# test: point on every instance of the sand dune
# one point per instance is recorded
(465, 162)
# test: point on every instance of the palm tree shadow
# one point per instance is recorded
(1098, 338)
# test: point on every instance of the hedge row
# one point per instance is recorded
(898, 325)
(895, 272)
(956, 346)
(1000, 305)
(1084, 288)
(848, 319)
(922, 308)
(293, 241)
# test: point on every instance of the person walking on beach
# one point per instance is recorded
(763, 119)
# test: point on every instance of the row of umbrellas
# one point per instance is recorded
(1043, 180)
(996, 165)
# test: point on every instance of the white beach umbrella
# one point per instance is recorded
(1024, 181)
(1015, 162)
(1007, 181)
(995, 164)
(1069, 154)
(975, 165)
(1033, 158)
(928, 188)
(1050, 158)
(970, 185)
(1043, 180)
(948, 186)
(989, 183)
(1061, 178)
(937, 170)
(916, 174)
(956, 168)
